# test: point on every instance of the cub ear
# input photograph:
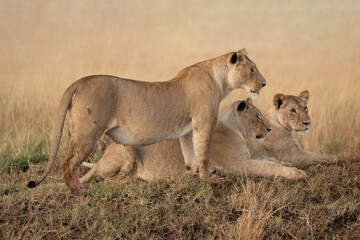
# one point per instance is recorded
(241, 106)
(304, 95)
(279, 100)
(239, 57)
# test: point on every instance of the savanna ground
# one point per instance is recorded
(47, 45)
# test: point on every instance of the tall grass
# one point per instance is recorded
(46, 46)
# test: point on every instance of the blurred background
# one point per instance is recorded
(46, 45)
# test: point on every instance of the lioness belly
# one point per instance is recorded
(123, 136)
(126, 136)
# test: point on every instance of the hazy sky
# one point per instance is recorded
(161, 37)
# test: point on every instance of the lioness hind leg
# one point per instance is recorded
(70, 166)
(65, 167)
(117, 160)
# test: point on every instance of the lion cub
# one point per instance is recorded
(237, 123)
(288, 115)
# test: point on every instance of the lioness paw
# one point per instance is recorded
(297, 174)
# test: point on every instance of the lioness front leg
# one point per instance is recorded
(187, 149)
(272, 159)
(202, 135)
(304, 158)
(264, 168)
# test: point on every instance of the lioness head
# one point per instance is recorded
(250, 120)
(243, 73)
(292, 111)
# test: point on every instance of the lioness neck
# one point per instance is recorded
(218, 70)
(227, 122)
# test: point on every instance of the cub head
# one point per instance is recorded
(292, 111)
(250, 120)
(243, 73)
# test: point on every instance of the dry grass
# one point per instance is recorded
(232, 207)
(44, 46)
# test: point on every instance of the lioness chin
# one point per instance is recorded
(237, 123)
(137, 113)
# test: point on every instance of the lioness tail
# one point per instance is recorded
(57, 131)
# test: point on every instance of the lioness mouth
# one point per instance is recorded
(302, 130)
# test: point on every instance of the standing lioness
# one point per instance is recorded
(140, 113)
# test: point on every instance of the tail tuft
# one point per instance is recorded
(31, 184)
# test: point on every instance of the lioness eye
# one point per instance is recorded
(253, 70)
(258, 117)
(305, 108)
(293, 110)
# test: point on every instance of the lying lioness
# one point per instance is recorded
(288, 115)
(237, 123)
(139, 113)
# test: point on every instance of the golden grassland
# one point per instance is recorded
(28, 105)
(45, 46)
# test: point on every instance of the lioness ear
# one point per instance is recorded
(242, 56)
(233, 59)
(242, 52)
(279, 100)
(249, 101)
(304, 95)
(239, 56)
(241, 106)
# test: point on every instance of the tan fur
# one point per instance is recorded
(139, 113)
(288, 115)
(228, 151)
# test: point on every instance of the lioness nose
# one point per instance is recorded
(263, 84)
(268, 129)
(306, 123)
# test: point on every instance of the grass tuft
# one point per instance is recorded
(21, 163)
